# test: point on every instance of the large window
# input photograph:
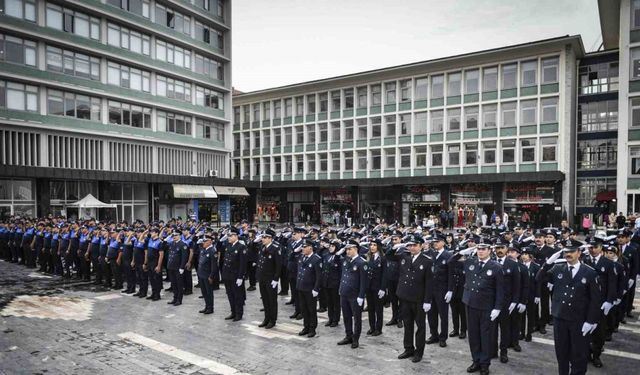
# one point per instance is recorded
(324, 102)
(597, 154)
(174, 123)
(173, 54)
(70, 21)
(634, 160)
(129, 114)
(453, 119)
(311, 134)
(529, 73)
(489, 152)
(453, 84)
(209, 35)
(175, 89)
(348, 98)
(635, 23)
(598, 78)
(471, 118)
(453, 155)
(130, 78)
(471, 154)
(266, 111)
(324, 133)
(209, 67)
(390, 92)
(528, 112)
(405, 90)
(548, 149)
(170, 18)
(213, 99)
(405, 123)
(390, 158)
(508, 114)
(17, 50)
(24, 9)
(210, 130)
(509, 76)
(490, 79)
(348, 130)
(603, 115)
(73, 63)
(139, 7)
(277, 109)
(422, 88)
(68, 104)
(335, 132)
(437, 86)
(288, 107)
(508, 148)
(128, 39)
(376, 95)
(390, 126)
(362, 96)
(588, 188)
(420, 123)
(362, 129)
(528, 150)
(405, 157)
(550, 67)
(437, 121)
(362, 160)
(18, 96)
(549, 110)
(311, 104)
(376, 160)
(421, 156)
(489, 115)
(471, 81)
(436, 155)
(376, 127)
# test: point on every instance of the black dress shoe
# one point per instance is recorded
(136, 295)
(355, 344)
(503, 357)
(251, 288)
(230, 317)
(542, 330)
(369, 332)
(283, 293)
(416, 358)
(208, 312)
(400, 324)
(311, 334)
(299, 316)
(289, 303)
(443, 344)
(527, 337)
(391, 322)
(463, 335)
(376, 333)
(597, 362)
(304, 331)
(406, 354)
(187, 293)
(237, 318)
(202, 311)
(177, 303)
(264, 323)
(142, 296)
(156, 298)
(345, 341)
(334, 324)
(270, 325)
(521, 337)
(517, 348)
(453, 334)
(475, 367)
(197, 286)
(293, 316)
(126, 291)
(150, 297)
(327, 324)
(171, 302)
(432, 340)
(322, 309)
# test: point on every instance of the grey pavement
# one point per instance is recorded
(53, 326)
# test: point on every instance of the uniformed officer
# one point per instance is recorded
(616, 314)
(414, 291)
(191, 262)
(631, 252)
(331, 271)
(114, 258)
(27, 241)
(234, 269)
(177, 260)
(377, 286)
(139, 255)
(458, 309)
(293, 250)
(532, 298)
(353, 287)
(79, 247)
(483, 295)
(207, 272)
(575, 307)
(267, 273)
(154, 256)
(126, 266)
(308, 287)
(513, 252)
(511, 298)
(442, 291)
(393, 274)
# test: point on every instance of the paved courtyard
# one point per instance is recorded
(53, 326)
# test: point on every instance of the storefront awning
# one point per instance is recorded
(231, 190)
(193, 191)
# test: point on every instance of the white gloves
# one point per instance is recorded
(494, 314)
(536, 300)
(239, 282)
(426, 307)
(588, 328)
(297, 249)
(360, 301)
(606, 306)
(339, 252)
(512, 306)
(550, 286)
(381, 294)
(522, 308)
(554, 257)
(447, 297)
(314, 293)
(617, 302)
(468, 251)
(274, 284)
(181, 271)
(631, 282)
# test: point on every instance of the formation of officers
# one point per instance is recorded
(498, 285)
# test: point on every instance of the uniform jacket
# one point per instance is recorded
(353, 282)
(309, 273)
(269, 263)
(416, 278)
(235, 262)
(484, 287)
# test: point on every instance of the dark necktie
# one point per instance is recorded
(481, 265)
(571, 271)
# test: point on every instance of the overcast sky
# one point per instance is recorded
(279, 42)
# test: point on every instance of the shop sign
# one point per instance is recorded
(471, 194)
(342, 196)
(528, 194)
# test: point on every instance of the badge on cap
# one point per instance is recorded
(472, 267)
(489, 273)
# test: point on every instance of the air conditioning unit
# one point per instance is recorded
(213, 173)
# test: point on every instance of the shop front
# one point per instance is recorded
(337, 206)
(17, 198)
(472, 204)
(535, 203)
(377, 204)
(185, 201)
(303, 206)
(419, 202)
(268, 205)
(233, 204)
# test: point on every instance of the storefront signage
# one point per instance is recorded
(342, 196)
(224, 207)
(528, 193)
(471, 194)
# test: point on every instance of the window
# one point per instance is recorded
(362, 160)
(548, 149)
(597, 154)
(489, 114)
(362, 128)
(421, 156)
(453, 155)
(139, 7)
(288, 107)
(236, 141)
(324, 103)
(288, 136)
(266, 166)
(390, 158)
(246, 141)
(635, 17)
(24, 9)
(277, 137)
(173, 54)
(18, 97)
(550, 70)
(130, 78)
(311, 164)
(245, 114)
(634, 157)
(335, 161)
(288, 165)
(490, 79)
(376, 95)
(405, 157)
(129, 114)
(323, 162)
(256, 139)
(390, 92)
(528, 112)
(529, 72)
(73, 63)
(300, 135)
(405, 124)
(436, 156)
(599, 78)
(299, 164)
(323, 133)
(603, 115)
(266, 138)
(348, 130)
(508, 151)
(213, 99)
(549, 110)
(509, 77)
(335, 132)
(508, 114)
(453, 119)
(437, 87)
(209, 35)
(453, 85)
(437, 121)
(422, 88)
(70, 21)
(170, 18)
(588, 188)
(73, 105)
(405, 90)
(362, 97)
(174, 123)
(236, 115)
(255, 106)
(277, 109)
(390, 126)
(376, 160)
(420, 123)
(311, 104)
(17, 50)
(348, 98)
(376, 127)
(131, 40)
(311, 134)
(471, 81)
(266, 111)
(335, 101)
(277, 165)
(471, 154)
(209, 67)
(471, 118)
(176, 89)
(528, 150)
(489, 153)
(299, 106)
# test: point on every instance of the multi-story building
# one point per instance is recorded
(480, 132)
(128, 100)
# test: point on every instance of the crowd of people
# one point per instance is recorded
(498, 285)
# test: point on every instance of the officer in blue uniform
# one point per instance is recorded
(393, 274)
(331, 271)
(442, 291)
(94, 254)
(234, 269)
(267, 273)
(4, 242)
(37, 245)
(631, 252)
(27, 240)
(102, 257)
(192, 260)
(532, 298)
(127, 266)
(83, 240)
(293, 250)
(16, 240)
(458, 309)
(207, 272)
(139, 255)
(176, 261)
(154, 257)
(45, 253)
(353, 287)
(575, 302)
(511, 298)
(114, 258)
(376, 286)
(308, 287)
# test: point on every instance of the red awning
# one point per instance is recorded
(606, 196)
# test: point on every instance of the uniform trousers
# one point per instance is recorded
(352, 313)
(375, 308)
(458, 315)
(392, 286)
(412, 313)
(142, 278)
(206, 289)
(177, 285)
(439, 310)
(333, 304)
(235, 295)
(308, 309)
(481, 335)
(269, 297)
(571, 347)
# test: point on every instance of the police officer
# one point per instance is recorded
(331, 271)
(268, 271)
(511, 298)
(353, 286)
(532, 297)
(293, 250)
(575, 307)
(207, 272)
(176, 261)
(126, 265)
(192, 260)
(139, 255)
(631, 252)
(154, 257)
(442, 291)
(393, 274)
(376, 286)
(308, 287)
(114, 258)
(234, 269)
(483, 295)
(458, 310)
